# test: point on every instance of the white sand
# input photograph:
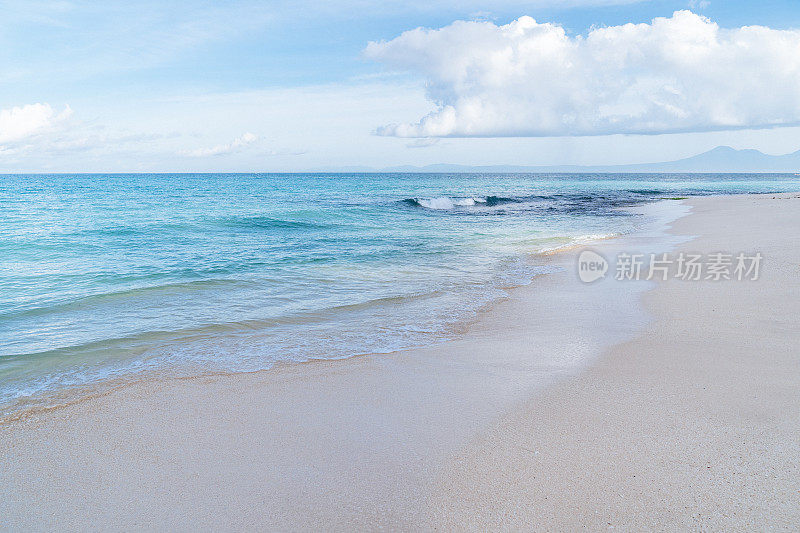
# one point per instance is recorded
(694, 423)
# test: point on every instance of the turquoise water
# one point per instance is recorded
(109, 275)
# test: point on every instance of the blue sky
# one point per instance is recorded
(263, 86)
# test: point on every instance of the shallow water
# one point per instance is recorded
(106, 275)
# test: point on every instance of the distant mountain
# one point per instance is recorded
(725, 159)
(720, 159)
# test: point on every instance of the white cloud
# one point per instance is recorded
(234, 146)
(677, 74)
(20, 123)
(423, 142)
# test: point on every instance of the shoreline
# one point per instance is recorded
(420, 438)
(691, 425)
(41, 404)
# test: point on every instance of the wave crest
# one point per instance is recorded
(449, 202)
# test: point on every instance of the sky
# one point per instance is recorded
(245, 86)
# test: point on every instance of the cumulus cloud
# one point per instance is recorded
(677, 74)
(20, 123)
(221, 149)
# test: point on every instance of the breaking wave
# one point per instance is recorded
(447, 202)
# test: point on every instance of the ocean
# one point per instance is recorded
(108, 276)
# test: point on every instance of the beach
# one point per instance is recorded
(632, 405)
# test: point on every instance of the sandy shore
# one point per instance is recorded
(689, 420)
(693, 425)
